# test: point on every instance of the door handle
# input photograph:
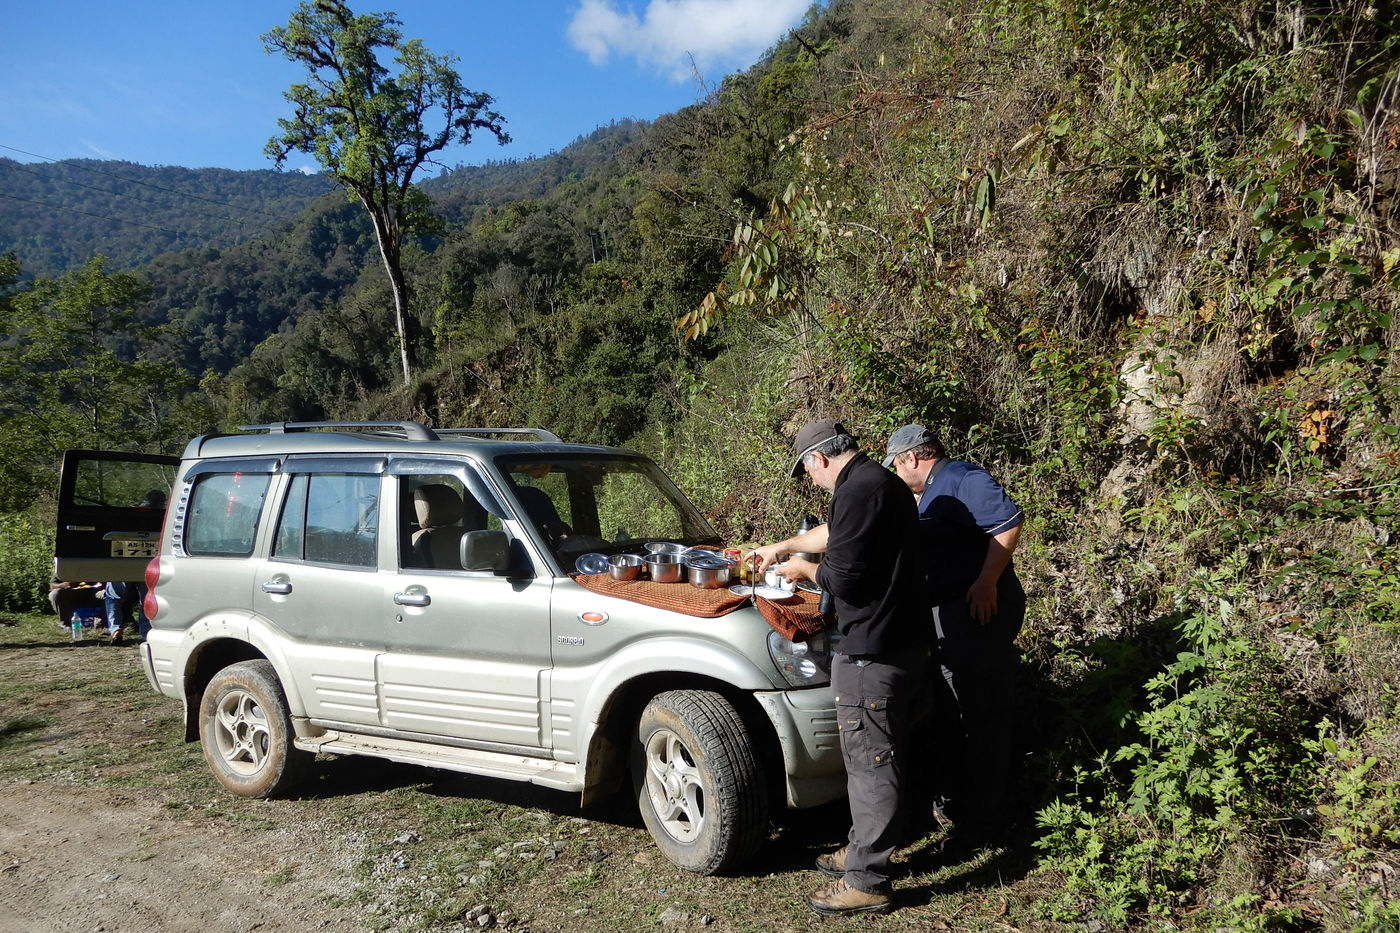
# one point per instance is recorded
(79, 527)
(277, 588)
(412, 599)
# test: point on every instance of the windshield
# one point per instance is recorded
(592, 502)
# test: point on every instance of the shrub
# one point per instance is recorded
(27, 544)
(1213, 781)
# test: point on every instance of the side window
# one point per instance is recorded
(436, 510)
(223, 514)
(291, 527)
(330, 518)
(342, 519)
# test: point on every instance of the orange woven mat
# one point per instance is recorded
(793, 619)
(677, 597)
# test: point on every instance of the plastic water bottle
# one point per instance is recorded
(77, 626)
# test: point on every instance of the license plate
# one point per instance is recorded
(146, 549)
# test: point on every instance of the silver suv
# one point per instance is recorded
(390, 590)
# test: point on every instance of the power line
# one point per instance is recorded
(122, 194)
(74, 210)
(135, 181)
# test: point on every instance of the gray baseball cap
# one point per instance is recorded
(812, 434)
(906, 438)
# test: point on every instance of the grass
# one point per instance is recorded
(280, 877)
(411, 842)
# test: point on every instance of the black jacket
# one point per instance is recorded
(874, 562)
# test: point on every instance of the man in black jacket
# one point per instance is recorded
(873, 567)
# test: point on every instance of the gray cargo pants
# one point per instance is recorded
(873, 708)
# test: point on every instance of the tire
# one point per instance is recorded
(246, 732)
(699, 781)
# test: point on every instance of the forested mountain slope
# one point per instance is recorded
(57, 215)
(458, 193)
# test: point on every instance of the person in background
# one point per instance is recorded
(154, 500)
(116, 598)
(65, 597)
(873, 567)
(970, 530)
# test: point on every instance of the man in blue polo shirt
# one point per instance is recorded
(970, 528)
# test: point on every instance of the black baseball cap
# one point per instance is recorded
(813, 433)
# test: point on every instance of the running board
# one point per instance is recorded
(546, 772)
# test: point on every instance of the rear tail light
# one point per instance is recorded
(148, 605)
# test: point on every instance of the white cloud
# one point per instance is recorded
(100, 151)
(669, 33)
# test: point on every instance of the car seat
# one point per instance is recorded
(443, 517)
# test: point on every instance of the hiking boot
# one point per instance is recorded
(840, 899)
(833, 863)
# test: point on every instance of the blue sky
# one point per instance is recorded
(188, 83)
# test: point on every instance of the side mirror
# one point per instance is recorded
(486, 550)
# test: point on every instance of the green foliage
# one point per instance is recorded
(60, 214)
(62, 383)
(217, 305)
(364, 124)
(1363, 806)
(597, 364)
(1218, 755)
(27, 543)
(1319, 268)
(726, 447)
(1128, 253)
(1135, 257)
(778, 258)
(371, 129)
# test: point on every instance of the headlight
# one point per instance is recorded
(804, 663)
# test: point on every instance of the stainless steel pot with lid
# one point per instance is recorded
(708, 572)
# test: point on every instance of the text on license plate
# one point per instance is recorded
(145, 549)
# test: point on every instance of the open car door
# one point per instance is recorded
(111, 505)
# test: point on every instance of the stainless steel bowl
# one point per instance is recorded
(708, 572)
(665, 568)
(665, 547)
(625, 566)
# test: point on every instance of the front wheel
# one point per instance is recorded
(699, 781)
(246, 732)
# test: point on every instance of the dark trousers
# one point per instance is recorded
(873, 704)
(974, 710)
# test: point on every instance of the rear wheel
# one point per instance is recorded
(699, 781)
(246, 732)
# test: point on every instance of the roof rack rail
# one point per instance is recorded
(411, 430)
(541, 433)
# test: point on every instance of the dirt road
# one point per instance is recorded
(92, 838)
(76, 861)
(110, 822)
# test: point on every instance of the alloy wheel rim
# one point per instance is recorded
(242, 732)
(674, 786)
